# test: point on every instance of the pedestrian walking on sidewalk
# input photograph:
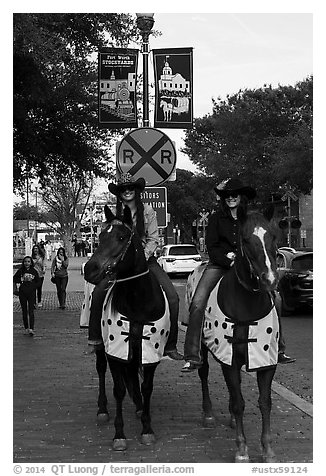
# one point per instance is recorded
(28, 280)
(48, 250)
(38, 257)
(59, 273)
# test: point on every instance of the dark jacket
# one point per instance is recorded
(221, 238)
(28, 280)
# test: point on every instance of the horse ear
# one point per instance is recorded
(108, 214)
(127, 218)
(269, 212)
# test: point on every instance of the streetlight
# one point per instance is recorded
(145, 23)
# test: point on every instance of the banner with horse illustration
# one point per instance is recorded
(117, 74)
(173, 73)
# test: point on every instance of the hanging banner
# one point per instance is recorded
(117, 74)
(173, 73)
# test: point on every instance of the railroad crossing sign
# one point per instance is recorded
(147, 153)
(203, 218)
(289, 194)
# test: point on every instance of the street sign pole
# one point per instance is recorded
(145, 23)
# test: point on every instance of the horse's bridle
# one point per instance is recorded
(253, 274)
(122, 255)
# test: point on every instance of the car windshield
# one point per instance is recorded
(303, 263)
(183, 250)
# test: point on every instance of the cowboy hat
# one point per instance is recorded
(124, 180)
(234, 185)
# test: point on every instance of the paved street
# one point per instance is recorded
(55, 398)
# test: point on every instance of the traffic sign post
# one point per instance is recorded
(149, 153)
(204, 221)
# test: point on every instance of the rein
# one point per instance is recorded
(128, 278)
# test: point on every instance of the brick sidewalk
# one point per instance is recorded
(55, 405)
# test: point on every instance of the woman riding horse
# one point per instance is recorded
(128, 191)
(135, 322)
(222, 245)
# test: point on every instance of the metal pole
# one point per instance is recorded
(289, 221)
(91, 210)
(145, 52)
(27, 203)
(145, 22)
(36, 214)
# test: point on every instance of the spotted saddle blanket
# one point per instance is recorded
(218, 330)
(116, 334)
(116, 327)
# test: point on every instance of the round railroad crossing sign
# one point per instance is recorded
(147, 153)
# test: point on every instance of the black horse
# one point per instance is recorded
(241, 327)
(135, 322)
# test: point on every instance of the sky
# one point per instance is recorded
(234, 51)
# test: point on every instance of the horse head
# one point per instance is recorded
(117, 249)
(255, 264)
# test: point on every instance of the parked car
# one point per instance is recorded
(295, 269)
(177, 259)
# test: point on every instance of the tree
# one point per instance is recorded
(24, 212)
(263, 136)
(61, 197)
(187, 196)
(55, 92)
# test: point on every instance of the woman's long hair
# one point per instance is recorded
(64, 252)
(40, 251)
(23, 267)
(140, 227)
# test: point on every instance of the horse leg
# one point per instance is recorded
(236, 407)
(264, 380)
(209, 418)
(119, 391)
(101, 366)
(147, 434)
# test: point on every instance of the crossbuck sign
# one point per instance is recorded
(147, 153)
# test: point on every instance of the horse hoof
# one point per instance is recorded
(209, 422)
(148, 439)
(241, 458)
(102, 417)
(119, 444)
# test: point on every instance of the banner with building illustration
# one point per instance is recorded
(173, 73)
(117, 74)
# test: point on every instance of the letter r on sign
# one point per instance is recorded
(166, 154)
(127, 154)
